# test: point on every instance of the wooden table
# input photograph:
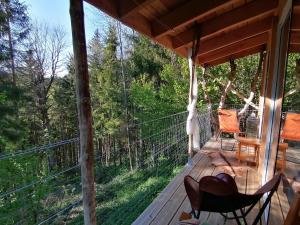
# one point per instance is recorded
(248, 142)
(281, 162)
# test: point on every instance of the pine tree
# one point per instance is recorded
(106, 86)
(14, 28)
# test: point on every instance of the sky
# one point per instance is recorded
(56, 13)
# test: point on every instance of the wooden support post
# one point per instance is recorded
(262, 91)
(191, 68)
(84, 112)
(275, 89)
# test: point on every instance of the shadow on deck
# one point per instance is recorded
(172, 201)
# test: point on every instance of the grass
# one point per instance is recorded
(122, 199)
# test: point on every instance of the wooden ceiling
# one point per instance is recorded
(227, 28)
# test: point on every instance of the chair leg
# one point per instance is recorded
(243, 216)
(221, 143)
(262, 209)
(236, 218)
(233, 146)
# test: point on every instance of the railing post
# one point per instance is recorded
(84, 112)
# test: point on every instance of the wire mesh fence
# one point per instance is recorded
(42, 185)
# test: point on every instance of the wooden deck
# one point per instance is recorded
(172, 201)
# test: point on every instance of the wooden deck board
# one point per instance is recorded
(185, 206)
(172, 205)
(153, 209)
(172, 201)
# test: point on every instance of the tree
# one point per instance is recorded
(43, 62)
(14, 28)
(63, 112)
(13, 129)
(106, 101)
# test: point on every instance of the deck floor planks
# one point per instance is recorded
(171, 207)
(164, 211)
(194, 172)
(185, 206)
(252, 187)
(151, 211)
(276, 216)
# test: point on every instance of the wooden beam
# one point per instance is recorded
(295, 22)
(237, 55)
(295, 38)
(84, 112)
(234, 36)
(134, 20)
(234, 17)
(295, 48)
(128, 7)
(109, 7)
(234, 48)
(187, 13)
(275, 90)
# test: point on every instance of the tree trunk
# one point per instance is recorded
(229, 84)
(84, 112)
(207, 98)
(235, 92)
(11, 53)
(125, 96)
(253, 84)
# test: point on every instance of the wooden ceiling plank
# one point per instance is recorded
(295, 22)
(234, 48)
(109, 7)
(224, 21)
(295, 48)
(234, 36)
(189, 12)
(133, 20)
(237, 55)
(128, 7)
(295, 37)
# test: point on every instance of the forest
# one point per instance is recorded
(139, 92)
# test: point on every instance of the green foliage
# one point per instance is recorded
(63, 112)
(125, 195)
(106, 85)
(160, 80)
(291, 81)
(14, 22)
(156, 84)
(12, 129)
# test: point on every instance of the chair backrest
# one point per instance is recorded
(220, 185)
(293, 216)
(228, 121)
(271, 185)
(291, 127)
(220, 193)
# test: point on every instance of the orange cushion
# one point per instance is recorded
(228, 121)
(291, 128)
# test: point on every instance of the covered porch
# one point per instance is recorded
(208, 34)
(172, 201)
